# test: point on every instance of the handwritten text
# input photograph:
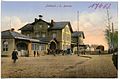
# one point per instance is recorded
(100, 5)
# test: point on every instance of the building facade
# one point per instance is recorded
(52, 35)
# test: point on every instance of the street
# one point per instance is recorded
(83, 66)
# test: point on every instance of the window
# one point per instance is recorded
(33, 46)
(68, 38)
(37, 47)
(64, 36)
(37, 35)
(43, 47)
(28, 34)
(40, 26)
(43, 34)
(5, 46)
(48, 26)
(54, 35)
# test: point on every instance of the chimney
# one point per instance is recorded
(36, 19)
(12, 29)
(40, 16)
(52, 22)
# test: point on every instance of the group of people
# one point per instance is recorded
(35, 53)
(59, 51)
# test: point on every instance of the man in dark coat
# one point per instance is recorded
(14, 56)
(34, 53)
(68, 51)
(37, 53)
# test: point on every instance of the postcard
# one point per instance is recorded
(59, 39)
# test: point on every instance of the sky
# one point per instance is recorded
(92, 19)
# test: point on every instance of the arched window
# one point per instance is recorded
(5, 45)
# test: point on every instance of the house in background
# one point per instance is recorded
(11, 40)
(77, 40)
(53, 35)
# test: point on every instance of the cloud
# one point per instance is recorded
(93, 25)
(12, 22)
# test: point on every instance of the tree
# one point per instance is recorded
(115, 39)
(112, 38)
(110, 35)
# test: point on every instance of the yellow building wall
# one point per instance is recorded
(66, 38)
(63, 37)
(58, 36)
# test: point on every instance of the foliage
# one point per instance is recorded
(113, 38)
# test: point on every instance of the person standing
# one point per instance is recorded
(37, 53)
(99, 51)
(14, 55)
(34, 53)
(68, 51)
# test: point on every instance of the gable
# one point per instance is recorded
(40, 26)
(60, 26)
(78, 33)
(67, 29)
(30, 26)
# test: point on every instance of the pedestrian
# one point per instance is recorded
(37, 53)
(34, 53)
(14, 55)
(99, 51)
(68, 51)
(28, 54)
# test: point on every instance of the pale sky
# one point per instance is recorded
(91, 21)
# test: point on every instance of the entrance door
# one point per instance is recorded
(52, 45)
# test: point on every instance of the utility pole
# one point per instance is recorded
(10, 24)
(78, 32)
(78, 20)
(112, 40)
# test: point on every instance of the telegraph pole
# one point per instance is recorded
(112, 40)
(78, 20)
(10, 24)
(78, 32)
